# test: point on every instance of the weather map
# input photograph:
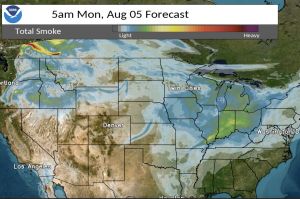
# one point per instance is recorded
(150, 118)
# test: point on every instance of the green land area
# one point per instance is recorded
(239, 177)
(226, 126)
(282, 54)
(229, 122)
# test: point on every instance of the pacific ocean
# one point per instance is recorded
(16, 183)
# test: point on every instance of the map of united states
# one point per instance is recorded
(103, 125)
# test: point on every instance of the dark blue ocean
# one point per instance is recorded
(284, 180)
(16, 183)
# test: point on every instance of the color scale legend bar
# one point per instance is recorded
(185, 28)
(256, 32)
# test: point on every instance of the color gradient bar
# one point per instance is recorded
(185, 28)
